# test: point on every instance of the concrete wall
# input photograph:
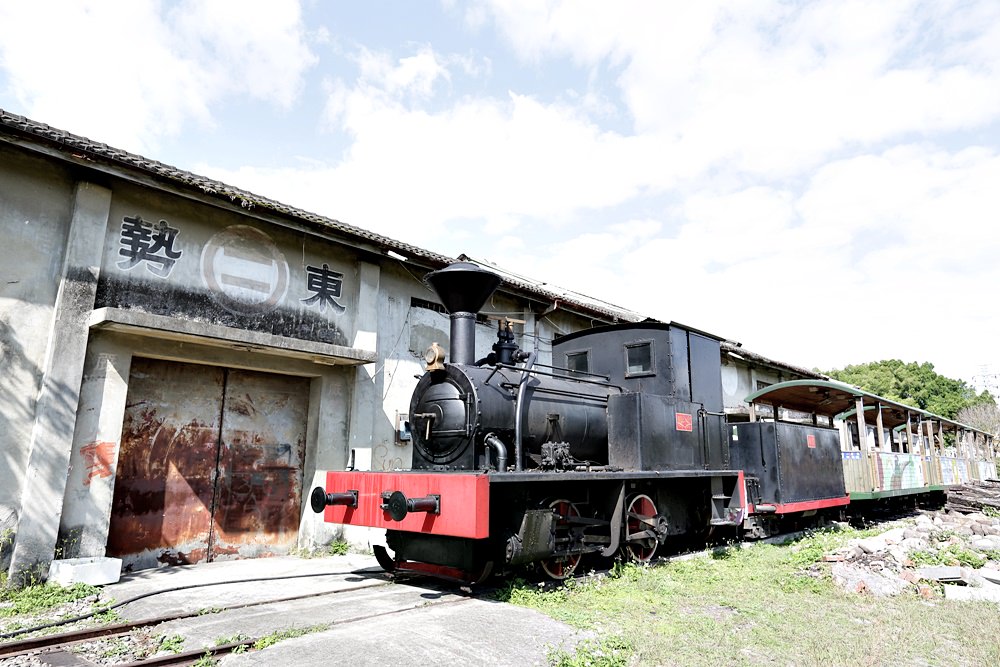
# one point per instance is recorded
(181, 280)
(740, 378)
(36, 206)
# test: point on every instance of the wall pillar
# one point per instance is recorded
(86, 512)
(366, 396)
(56, 408)
(324, 451)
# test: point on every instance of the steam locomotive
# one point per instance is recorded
(619, 449)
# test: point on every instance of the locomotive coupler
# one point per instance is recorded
(319, 499)
(398, 505)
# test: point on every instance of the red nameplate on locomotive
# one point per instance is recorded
(684, 422)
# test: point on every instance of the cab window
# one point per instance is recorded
(639, 358)
(578, 362)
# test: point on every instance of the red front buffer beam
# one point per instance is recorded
(398, 505)
(319, 499)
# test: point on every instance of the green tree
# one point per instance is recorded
(913, 384)
(984, 416)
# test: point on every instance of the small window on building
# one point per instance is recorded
(762, 385)
(578, 362)
(639, 359)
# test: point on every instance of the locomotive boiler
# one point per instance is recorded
(613, 448)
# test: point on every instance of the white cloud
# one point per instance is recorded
(128, 73)
(768, 87)
(411, 170)
(789, 174)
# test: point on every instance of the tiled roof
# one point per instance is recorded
(82, 148)
(731, 347)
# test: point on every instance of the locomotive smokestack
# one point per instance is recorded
(463, 288)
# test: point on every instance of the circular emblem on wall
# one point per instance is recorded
(244, 270)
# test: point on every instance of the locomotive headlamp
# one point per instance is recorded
(434, 358)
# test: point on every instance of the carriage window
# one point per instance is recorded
(578, 362)
(639, 359)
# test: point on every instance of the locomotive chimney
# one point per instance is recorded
(463, 288)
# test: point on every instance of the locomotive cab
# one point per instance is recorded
(669, 415)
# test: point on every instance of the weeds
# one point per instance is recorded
(240, 637)
(335, 548)
(207, 660)
(107, 616)
(41, 596)
(117, 648)
(338, 548)
(953, 554)
(607, 652)
(290, 633)
(210, 610)
(170, 643)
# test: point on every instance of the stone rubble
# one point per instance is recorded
(936, 552)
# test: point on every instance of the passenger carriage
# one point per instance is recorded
(905, 453)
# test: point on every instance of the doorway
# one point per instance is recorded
(210, 465)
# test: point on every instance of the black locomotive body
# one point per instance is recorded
(615, 447)
(619, 445)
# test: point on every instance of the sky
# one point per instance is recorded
(819, 181)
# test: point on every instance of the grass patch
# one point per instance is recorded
(607, 652)
(953, 554)
(222, 641)
(170, 643)
(207, 660)
(335, 548)
(290, 633)
(338, 548)
(759, 604)
(39, 597)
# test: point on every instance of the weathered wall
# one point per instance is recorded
(35, 206)
(169, 256)
(740, 379)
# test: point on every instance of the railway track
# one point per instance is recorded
(58, 649)
(65, 641)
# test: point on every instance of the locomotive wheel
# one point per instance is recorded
(387, 562)
(560, 567)
(640, 528)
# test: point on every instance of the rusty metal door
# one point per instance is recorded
(259, 487)
(210, 465)
(165, 481)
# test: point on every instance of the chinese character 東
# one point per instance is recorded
(325, 286)
(143, 241)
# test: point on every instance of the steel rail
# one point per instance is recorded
(35, 644)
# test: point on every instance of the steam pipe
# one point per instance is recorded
(497, 445)
(519, 413)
